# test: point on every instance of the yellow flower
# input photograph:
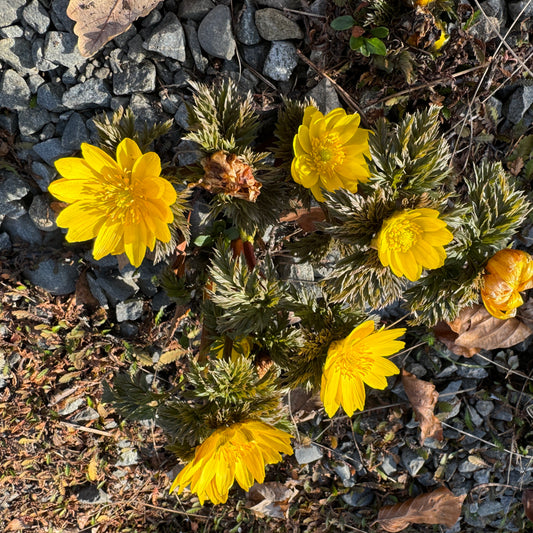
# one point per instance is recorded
(356, 360)
(508, 272)
(329, 152)
(411, 240)
(238, 452)
(123, 203)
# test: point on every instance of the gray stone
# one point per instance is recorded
(486, 28)
(15, 93)
(343, 471)
(11, 32)
(49, 96)
(86, 415)
(389, 465)
(148, 276)
(476, 419)
(32, 120)
(484, 407)
(307, 454)
(92, 93)
(71, 407)
(145, 110)
(134, 77)
(255, 55)
(123, 39)
(41, 214)
(194, 9)
(50, 150)
(502, 413)
(466, 467)
(128, 330)
(128, 455)
(17, 54)
(152, 19)
(47, 132)
(91, 494)
(318, 7)
(35, 15)
(9, 11)
(359, 497)
(59, 15)
(246, 29)
(194, 46)
(495, 8)
(170, 102)
(188, 153)
(215, 35)
(325, 96)
(12, 187)
(488, 508)
(96, 291)
(75, 133)
(161, 301)
(136, 52)
(182, 116)
(472, 372)
(5, 242)
(482, 476)
(129, 310)
(44, 175)
(37, 51)
(412, 461)
(519, 103)
(168, 38)
(56, 276)
(273, 25)
(116, 290)
(34, 81)
(280, 61)
(520, 10)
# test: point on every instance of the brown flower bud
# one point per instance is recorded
(227, 174)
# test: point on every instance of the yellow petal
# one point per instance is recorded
(75, 168)
(108, 240)
(98, 160)
(127, 153)
(135, 242)
(148, 165)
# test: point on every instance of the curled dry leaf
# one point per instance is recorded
(98, 21)
(437, 507)
(475, 330)
(423, 398)
(527, 500)
(305, 218)
(271, 499)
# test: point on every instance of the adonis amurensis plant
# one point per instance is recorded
(404, 234)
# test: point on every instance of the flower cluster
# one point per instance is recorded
(356, 360)
(238, 452)
(330, 152)
(508, 272)
(124, 203)
(411, 240)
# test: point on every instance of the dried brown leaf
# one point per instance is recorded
(437, 507)
(305, 218)
(92, 469)
(475, 329)
(423, 398)
(98, 21)
(527, 500)
(273, 499)
(303, 404)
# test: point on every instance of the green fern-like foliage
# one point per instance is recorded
(411, 158)
(217, 394)
(249, 300)
(121, 125)
(221, 119)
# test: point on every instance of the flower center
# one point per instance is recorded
(354, 360)
(120, 199)
(326, 154)
(402, 235)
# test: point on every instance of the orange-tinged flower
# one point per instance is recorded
(356, 360)
(508, 272)
(411, 240)
(238, 452)
(125, 203)
(329, 152)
